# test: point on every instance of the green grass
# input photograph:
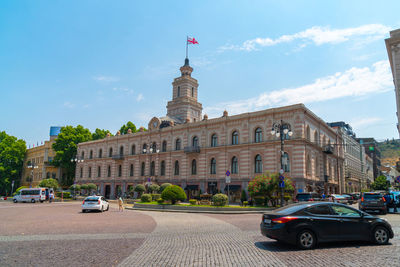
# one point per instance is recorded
(208, 206)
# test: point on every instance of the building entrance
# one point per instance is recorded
(107, 191)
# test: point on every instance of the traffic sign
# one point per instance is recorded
(281, 171)
(398, 179)
(281, 184)
(227, 179)
(228, 173)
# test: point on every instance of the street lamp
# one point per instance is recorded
(280, 130)
(31, 166)
(150, 151)
(76, 160)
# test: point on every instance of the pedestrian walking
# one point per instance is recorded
(120, 204)
(51, 196)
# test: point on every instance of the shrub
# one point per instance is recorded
(193, 201)
(243, 196)
(220, 200)
(154, 188)
(259, 200)
(163, 186)
(146, 198)
(245, 203)
(49, 183)
(91, 187)
(140, 189)
(84, 186)
(65, 194)
(160, 201)
(155, 196)
(77, 188)
(173, 193)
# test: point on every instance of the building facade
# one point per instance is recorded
(37, 162)
(195, 152)
(372, 150)
(393, 50)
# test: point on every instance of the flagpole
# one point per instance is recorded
(187, 46)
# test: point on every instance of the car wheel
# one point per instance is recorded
(83, 211)
(306, 239)
(384, 212)
(381, 235)
(102, 209)
(33, 201)
(15, 201)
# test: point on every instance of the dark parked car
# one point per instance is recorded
(308, 197)
(373, 201)
(306, 224)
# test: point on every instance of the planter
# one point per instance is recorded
(192, 208)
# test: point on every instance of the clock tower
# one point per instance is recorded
(184, 106)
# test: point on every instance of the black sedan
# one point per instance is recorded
(306, 224)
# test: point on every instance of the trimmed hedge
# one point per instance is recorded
(155, 196)
(65, 194)
(259, 200)
(163, 186)
(146, 198)
(220, 200)
(173, 193)
(193, 201)
(160, 201)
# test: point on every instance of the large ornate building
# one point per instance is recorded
(195, 152)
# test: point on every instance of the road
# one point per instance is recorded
(59, 234)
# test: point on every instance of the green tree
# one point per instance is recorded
(12, 154)
(65, 147)
(100, 134)
(84, 187)
(91, 187)
(140, 189)
(380, 183)
(163, 186)
(154, 188)
(75, 187)
(50, 183)
(243, 196)
(128, 125)
(173, 193)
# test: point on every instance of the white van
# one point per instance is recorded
(30, 195)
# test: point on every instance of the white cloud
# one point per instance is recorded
(364, 122)
(317, 35)
(106, 79)
(69, 104)
(140, 97)
(354, 82)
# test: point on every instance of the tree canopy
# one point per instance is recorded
(380, 183)
(65, 147)
(100, 134)
(12, 154)
(128, 125)
(50, 183)
(266, 185)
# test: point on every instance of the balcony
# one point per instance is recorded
(328, 150)
(191, 149)
(118, 157)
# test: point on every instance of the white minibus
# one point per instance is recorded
(30, 195)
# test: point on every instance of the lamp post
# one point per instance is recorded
(150, 151)
(76, 160)
(32, 166)
(280, 130)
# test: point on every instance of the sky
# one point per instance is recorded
(101, 64)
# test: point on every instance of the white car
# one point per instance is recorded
(95, 203)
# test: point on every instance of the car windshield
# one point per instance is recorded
(303, 196)
(289, 209)
(92, 199)
(372, 196)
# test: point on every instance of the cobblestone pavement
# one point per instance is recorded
(67, 237)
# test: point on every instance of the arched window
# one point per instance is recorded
(109, 171)
(152, 168)
(195, 141)
(235, 138)
(308, 166)
(162, 168)
(131, 170)
(80, 173)
(316, 140)
(98, 171)
(323, 141)
(90, 172)
(286, 162)
(83, 155)
(110, 152)
(213, 166)
(164, 146)
(194, 167)
(144, 148)
(142, 169)
(176, 169)
(178, 144)
(121, 151)
(316, 167)
(258, 135)
(100, 153)
(119, 170)
(179, 91)
(214, 140)
(133, 150)
(154, 146)
(234, 165)
(308, 134)
(91, 154)
(192, 91)
(258, 164)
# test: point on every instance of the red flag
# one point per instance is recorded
(192, 41)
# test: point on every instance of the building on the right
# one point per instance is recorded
(372, 150)
(393, 50)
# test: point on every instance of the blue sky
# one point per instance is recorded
(103, 63)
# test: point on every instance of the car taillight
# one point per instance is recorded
(311, 199)
(83, 202)
(384, 200)
(98, 201)
(284, 219)
(362, 199)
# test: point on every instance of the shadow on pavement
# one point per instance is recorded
(275, 246)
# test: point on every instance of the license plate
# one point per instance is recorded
(267, 221)
(374, 202)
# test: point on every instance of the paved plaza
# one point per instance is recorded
(58, 234)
